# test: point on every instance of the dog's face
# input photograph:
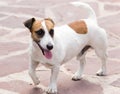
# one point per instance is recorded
(42, 32)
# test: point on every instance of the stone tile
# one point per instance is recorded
(20, 87)
(2, 15)
(111, 1)
(114, 28)
(10, 2)
(21, 10)
(113, 67)
(116, 83)
(109, 20)
(4, 32)
(14, 64)
(67, 86)
(112, 19)
(11, 47)
(21, 36)
(115, 53)
(93, 65)
(111, 23)
(112, 40)
(111, 7)
(13, 22)
(42, 3)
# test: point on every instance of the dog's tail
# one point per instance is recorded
(91, 12)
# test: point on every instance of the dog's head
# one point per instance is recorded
(42, 32)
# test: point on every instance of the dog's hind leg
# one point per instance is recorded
(100, 45)
(102, 54)
(81, 57)
(33, 65)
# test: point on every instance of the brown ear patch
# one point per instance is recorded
(79, 27)
(49, 23)
(36, 25)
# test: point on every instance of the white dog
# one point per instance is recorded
(53, 46)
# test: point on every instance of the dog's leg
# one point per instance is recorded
(103, 56)
(32, 72)
(78, 75)
(53, 80)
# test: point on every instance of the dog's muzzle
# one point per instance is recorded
(46, 53)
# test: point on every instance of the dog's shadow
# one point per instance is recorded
(36, 90)
(78, 87)
(72, 87)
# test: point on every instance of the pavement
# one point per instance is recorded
(14, 38)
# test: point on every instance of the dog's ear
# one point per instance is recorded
(29, 23)
(50, 20)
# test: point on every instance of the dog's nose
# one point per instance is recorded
(49, 46)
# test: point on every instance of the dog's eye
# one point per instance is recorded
(51, 32)
(40, 32)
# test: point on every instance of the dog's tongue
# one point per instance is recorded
(48, 54)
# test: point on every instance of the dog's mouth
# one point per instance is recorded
(46, 53)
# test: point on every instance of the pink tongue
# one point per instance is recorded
(48, 54)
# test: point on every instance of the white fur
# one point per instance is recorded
(68, 44)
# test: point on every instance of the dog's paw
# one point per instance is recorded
(101, 73)
(51, 90)
(36, 82)
(76, 77)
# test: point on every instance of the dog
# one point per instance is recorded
(53, 46)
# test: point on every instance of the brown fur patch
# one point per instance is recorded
(49, 23)
(79, 27)
(37, 26)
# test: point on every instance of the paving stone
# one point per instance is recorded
(20, 87)
(13, 64)
(2, 15)
(113, 67)
(10, 2)
(115, 53)
(116, 83)
(111, 1)
(67, 86)
(21, 36)
(21, 10)
(13, 22)
(112, 40)
(11, 47)
(111, 7)
(42, 3)
(110, 23)
(109, 20)
(4, 32)
(93, 65)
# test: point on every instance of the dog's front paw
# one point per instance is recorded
(76, 77)
(101, 73)
(52, 89)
